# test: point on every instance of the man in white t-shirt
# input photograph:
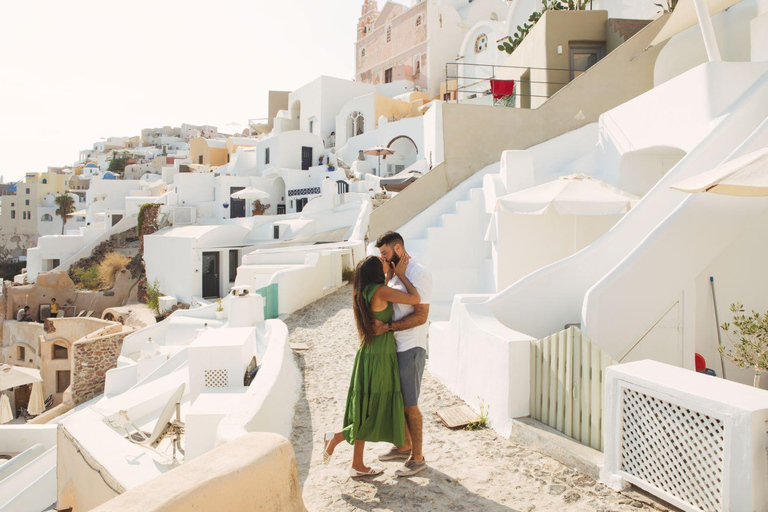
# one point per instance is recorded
(409, 324)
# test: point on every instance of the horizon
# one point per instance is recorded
(63, 91)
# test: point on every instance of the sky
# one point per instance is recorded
(72, 72)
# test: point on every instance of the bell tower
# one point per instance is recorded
(369, 13)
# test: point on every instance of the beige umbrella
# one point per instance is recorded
(377, 151)
(36, 400)
(744, 176)
(13, 376)
(6, 413)
(684, 17)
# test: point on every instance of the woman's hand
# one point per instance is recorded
(402, 265)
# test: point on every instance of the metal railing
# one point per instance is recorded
(480, 85)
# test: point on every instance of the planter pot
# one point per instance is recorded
(219, 315)
(257, 212)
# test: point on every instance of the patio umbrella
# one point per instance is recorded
(13, 376)
(577, 194)
(250, 193)
(744, 176)
(377, 151)
(6, 413)
(36, 400)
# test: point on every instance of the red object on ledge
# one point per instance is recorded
(701, 364)
(501, 88)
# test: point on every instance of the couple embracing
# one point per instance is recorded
(391, 306)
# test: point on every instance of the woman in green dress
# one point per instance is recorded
(374, 410)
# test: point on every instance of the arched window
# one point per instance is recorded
(60, 352)
(359, 125)
(350, 127)
(418, 21)
(481, 44)
(389, 34)
(46, 217)
(45, 181)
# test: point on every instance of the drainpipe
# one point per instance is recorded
(707, 31)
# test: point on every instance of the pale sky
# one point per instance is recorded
(74, 71)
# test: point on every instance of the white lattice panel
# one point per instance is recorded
(676, 450)
(216, 378)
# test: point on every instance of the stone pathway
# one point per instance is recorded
(468, 470)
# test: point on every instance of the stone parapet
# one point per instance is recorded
(92, 358)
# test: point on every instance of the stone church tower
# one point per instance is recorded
(370, 12)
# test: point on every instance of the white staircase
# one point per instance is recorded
(454, 251)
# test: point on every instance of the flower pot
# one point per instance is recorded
(257, 212)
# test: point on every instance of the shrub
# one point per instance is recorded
(87, 278)
(153, 296)
(751, 346)
(110, 266)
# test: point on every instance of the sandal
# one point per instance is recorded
(353, 473)
(327, 438)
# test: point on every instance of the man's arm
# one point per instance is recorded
(418, 317)
(415, 319)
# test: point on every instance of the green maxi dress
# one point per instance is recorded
(374, 410)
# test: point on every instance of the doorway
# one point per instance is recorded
(300, 203)
(584, 56)
(116, 219)
(306, 157)
(236, 206)
(211, 273)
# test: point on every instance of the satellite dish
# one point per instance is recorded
(166, 416)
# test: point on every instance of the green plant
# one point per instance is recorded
(670, 7)
(483, 421)
(751, 349)
(141, 215)
(510, 43)
(86, 277)
(109, 267)
(153, 296)
(118, 163)
(66, 206)
(348, 274)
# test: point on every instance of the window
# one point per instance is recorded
(22, 355)
(60, 352)
(200, 159)
(362, 52)
(232, 265)
(389, 34)
(228, 157)
(481, 43)
(62, 381)
(311, 126)
(276, 232)
(266, 156)
(27, 191)
(13, 214)
(584, 56)
(388, 76)
(418, 21)
(45, 181)
(47, 217)
(26, 202)
(24, 215)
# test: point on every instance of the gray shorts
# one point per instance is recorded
(411, 363)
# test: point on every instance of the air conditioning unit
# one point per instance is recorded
(184, 215)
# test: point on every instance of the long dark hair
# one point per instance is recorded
(368, 271)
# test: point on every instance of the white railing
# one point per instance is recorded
(695, 441)
(567, 378)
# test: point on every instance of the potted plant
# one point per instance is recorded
(751, 349)
(219, 310)
(259, 208)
